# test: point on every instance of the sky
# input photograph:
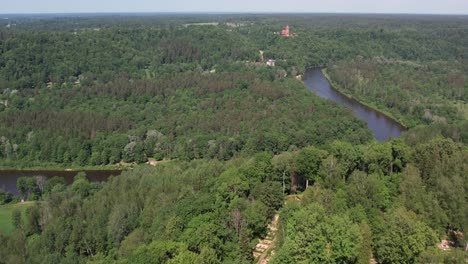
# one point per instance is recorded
(244, 6)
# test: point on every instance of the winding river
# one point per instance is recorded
(381, 125)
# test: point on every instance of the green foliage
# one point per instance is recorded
(27, 187)
(161, 99)
(178, 211)
(314, 237)
(96, 91)
(397, 211)
(416, 92)
(81, 186)
(403, 238)
(308, 162)
(367, 190)
(52, 183)
(156, 252)
(434, 255)
(118, 219)
(5, 197)
(7, 225)
(443, 167)
(416, 197)
(131, 242)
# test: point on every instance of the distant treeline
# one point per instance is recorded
(241, 136)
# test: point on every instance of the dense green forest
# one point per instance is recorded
(390, 199)
(186, 117)
(149, 83)
(124, 94)
(434, 92)
(242, 141)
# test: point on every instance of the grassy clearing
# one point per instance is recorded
(463, 108)
(293, 199)
(6, 211)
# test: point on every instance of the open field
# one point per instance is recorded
(6, 211)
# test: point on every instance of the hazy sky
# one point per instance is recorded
(348, 6)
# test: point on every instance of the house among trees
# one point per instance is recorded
(271, 63)
(285, 32)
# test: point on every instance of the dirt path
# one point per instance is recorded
(265, 247)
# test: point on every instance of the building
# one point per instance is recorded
(285, 32)
(271, 63)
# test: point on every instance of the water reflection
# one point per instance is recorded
(381, 126)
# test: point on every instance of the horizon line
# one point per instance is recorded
(230, 12)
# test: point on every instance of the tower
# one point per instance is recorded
(285, 31)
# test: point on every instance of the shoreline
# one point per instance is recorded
(385, 113)
(64, 169)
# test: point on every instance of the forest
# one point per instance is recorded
(242, 142)
(392, 200)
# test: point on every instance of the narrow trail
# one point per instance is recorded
(261, 55)
(264, 250)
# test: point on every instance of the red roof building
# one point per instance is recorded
(285, 32)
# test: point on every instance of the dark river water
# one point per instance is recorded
(8, 177)
(382, 126)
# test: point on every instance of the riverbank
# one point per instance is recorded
(9, 178)
(21, 166)
(337, 87)
(58, 168)
(65, 169)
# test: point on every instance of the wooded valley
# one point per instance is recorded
(238, 141)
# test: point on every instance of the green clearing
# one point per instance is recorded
(463, 108)
(6, 226)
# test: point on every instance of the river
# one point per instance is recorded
(381, 125)
(8, 178)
